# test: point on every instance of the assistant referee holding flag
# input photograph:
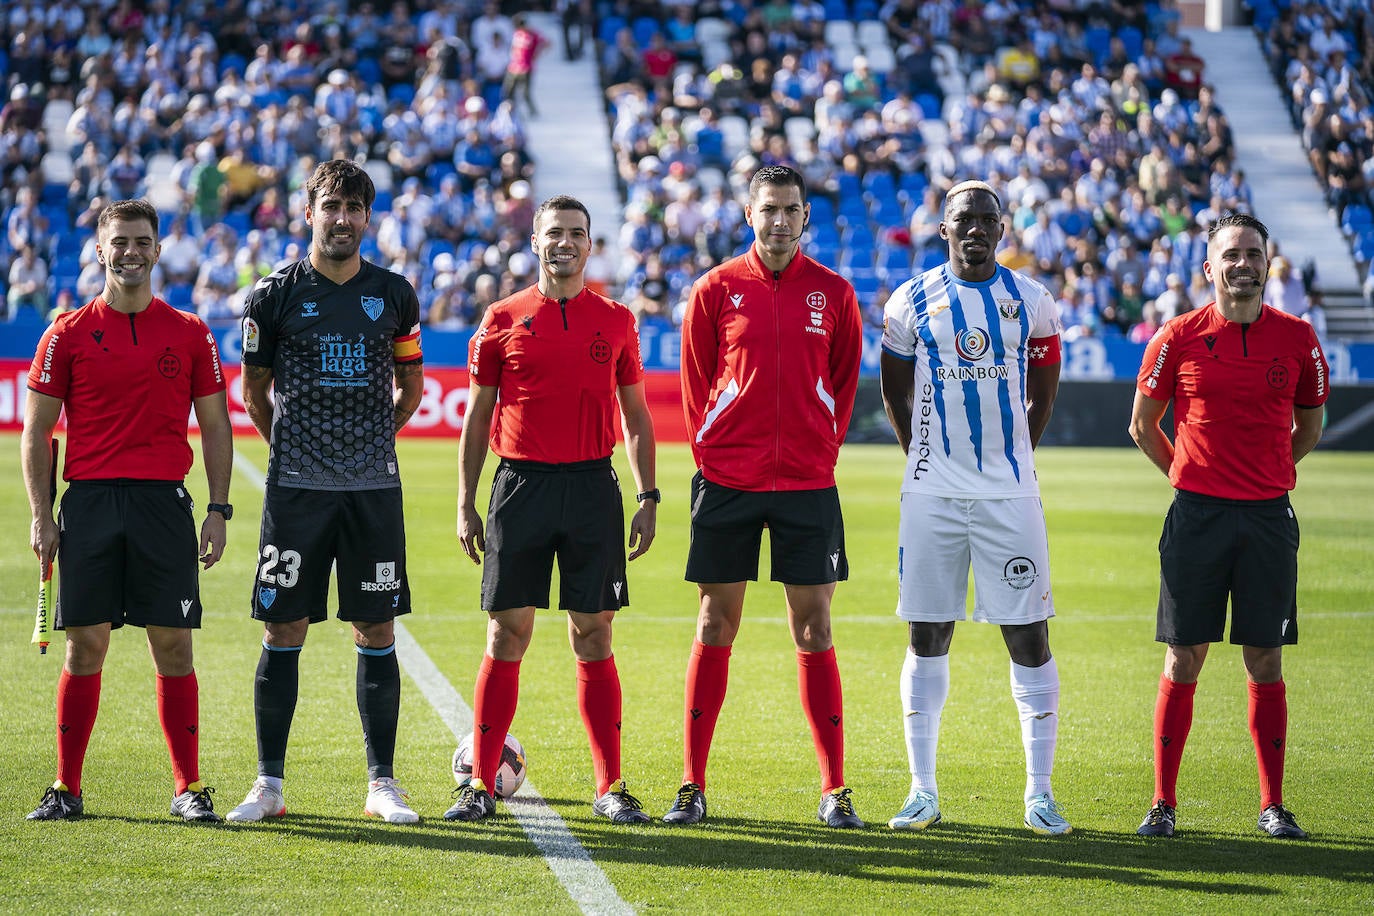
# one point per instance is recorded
(1248, 383)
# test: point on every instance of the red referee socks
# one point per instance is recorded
(599, 701)
(818, 676)
(708, 672)
(1268, 716)
(493, 701)
(1173, 721)
(178, 709)
(78, 699)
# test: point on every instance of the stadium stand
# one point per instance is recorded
(1099, 115)
(218, 111)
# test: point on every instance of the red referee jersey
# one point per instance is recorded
(1234, 387)
(126, 383)
(556, 366)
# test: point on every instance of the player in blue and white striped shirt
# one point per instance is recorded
(970, 368)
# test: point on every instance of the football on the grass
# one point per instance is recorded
(509, 775)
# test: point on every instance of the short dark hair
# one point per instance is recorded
(343, 177)
(563, 202)
(778, 176)
(130, 210)
(1241, 220)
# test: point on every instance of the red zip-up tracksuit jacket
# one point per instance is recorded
(770, 367)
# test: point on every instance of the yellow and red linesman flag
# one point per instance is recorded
(47, 594)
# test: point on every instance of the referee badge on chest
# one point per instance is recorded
(372, 306)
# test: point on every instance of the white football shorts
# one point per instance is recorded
(1004, 541)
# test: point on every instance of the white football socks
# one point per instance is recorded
(924, 689)
(1036, 692)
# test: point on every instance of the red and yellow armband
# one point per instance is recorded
(407, 349)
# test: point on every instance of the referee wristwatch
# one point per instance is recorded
(653, 494)
(224, 509)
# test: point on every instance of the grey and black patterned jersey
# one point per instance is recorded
(332, 350)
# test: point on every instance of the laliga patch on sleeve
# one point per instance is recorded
(250, 336)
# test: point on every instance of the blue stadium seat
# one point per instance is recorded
(401, 92)
(929, 105)
(434, 247)
(368, 71)
(644, 28)
(609, 27)
(234, 62)
(865, 9)
(1132, 38)
(836, 9)
(894, 261)
(934, 257)
(1098, 39)
(848, 185)
(1356, 218)
(382, 202)
(879, 183)
(178, 296)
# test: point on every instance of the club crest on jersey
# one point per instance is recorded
(372, 306)
(972, 344)
(1009, 309)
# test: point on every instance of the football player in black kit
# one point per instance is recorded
(331, 370)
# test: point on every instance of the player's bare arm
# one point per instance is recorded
(472, 454)
(899, 392)
(40, 419)
(410, 386)
(1307, 430)
(1146, 414)
(217, 453)
(1042, 385)
(640, 448)
(257, 398)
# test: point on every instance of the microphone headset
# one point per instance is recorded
(113, 267)
(806, 222)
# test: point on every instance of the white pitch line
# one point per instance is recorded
(584, 881)
(582, 878)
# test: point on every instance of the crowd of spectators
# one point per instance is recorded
(1322, 54)
(1094, 120)
(220, 110)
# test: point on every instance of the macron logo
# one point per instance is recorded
(835, 560)
(737, 300)
(618, 587)
(185, 607)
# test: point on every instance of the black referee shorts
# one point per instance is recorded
(805, 533)
(1214, 549)
(128, 554)
(540, 512)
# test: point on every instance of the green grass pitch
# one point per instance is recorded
(762, 849)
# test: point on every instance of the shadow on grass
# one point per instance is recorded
(951, 854)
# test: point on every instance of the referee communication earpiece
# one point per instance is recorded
(806, 222)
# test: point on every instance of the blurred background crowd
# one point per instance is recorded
(1094, 119)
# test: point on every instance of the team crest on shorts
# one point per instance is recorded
(1020, 573)
(267, 596)
(1009, 309)
(372, 306)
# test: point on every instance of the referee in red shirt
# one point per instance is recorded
(128, 369)
(771, 345)
(1248, 383)
(548, 366)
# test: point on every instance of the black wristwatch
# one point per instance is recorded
(224, 509)
(653, 494)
